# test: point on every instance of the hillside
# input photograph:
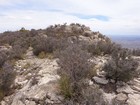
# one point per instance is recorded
(66, 65)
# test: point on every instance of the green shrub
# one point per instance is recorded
(65, 87)
(27, 65)
(92, 72)
(42, 55)
(49, 55)
(1, 94)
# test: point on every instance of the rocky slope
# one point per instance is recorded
(36, 81)
(37, 84)
(125, 93)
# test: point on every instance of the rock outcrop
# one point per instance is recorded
(102, 81)
(36, 82)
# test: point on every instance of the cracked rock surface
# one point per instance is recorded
(36, 82)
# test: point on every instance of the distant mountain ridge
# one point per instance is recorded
(130, 41)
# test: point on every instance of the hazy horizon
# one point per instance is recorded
(127, 41)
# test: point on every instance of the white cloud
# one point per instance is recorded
(124, 14)
(9, 2)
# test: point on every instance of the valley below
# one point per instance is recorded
(127, 41)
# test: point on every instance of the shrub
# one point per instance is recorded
(65, 87)
(120, 53)
(94, 49)
(102, 47)
(3, 57)
(19, 41)
(74, 64)
(136, 52)
(49, 55)
(91, 95)
(27, 65)
(33, 33)
(121, 67)
(13, 37)
(62, 44)
(93, 72)
(46, 45)
(17, 52)
(42, 55)
(105, 47)
(122, 70)
(7, 76)
(23, 30)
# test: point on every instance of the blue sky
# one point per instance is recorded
(110, 17)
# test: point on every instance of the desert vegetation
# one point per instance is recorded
(121, 66)
(7, 76)
(75, 66)
(136, 52)
(74, 70)
(74, 54)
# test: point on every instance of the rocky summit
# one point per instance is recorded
(48, 69)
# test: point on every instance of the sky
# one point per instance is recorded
(110, 17)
